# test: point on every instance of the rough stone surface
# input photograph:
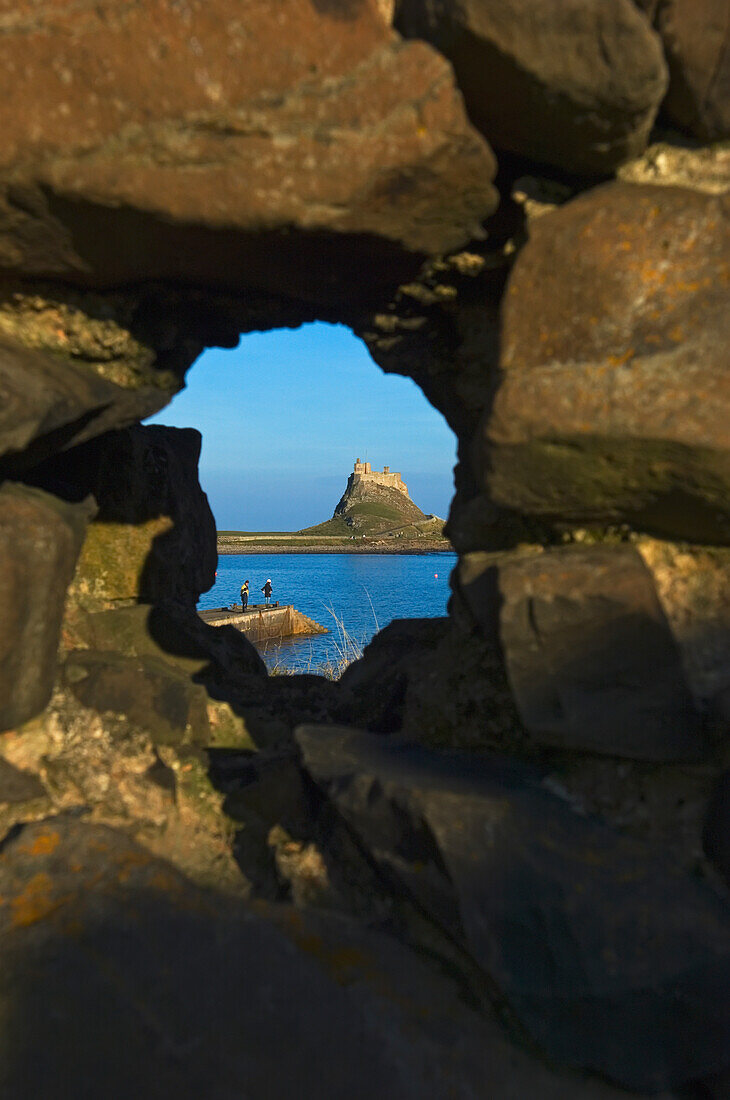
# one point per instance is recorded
(154, 535)
(121, 743)
(614, 402)
(40, 538)
(696, 36)
(226, 148)
(574, 84)
(693, 585)
(664, 804)
(137, 968)
(588, 651)
(148, 692)
(435, 681)
(673, 162)
(378, 682)
(610, 958)
(23, 797)
(442, 327)
(221, 654)
(51, 401)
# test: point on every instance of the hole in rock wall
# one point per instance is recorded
(283, 418)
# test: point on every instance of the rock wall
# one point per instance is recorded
(498, 846)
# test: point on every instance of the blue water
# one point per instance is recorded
(363, 591)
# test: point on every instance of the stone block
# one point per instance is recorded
(154, 537)
(694, 34)
(378, 681)
(71, 368)
(614, 399)
(180, 639)
(611, 958)
(589, 655)
(234, 152)
(574, 84)
(40, 537)
(149, 693)
(693, 585)
(97, 934)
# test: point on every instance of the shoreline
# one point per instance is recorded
(412, 546)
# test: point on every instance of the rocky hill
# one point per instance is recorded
(376, 503)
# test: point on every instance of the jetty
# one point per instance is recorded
(264, 622)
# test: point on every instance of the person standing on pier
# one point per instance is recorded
(244, 595)
(267, 591)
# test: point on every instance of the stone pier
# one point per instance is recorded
(261, 623)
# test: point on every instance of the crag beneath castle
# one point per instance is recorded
(374, 502)
(493, 860)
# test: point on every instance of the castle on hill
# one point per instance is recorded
(364, 474)
(375, 502)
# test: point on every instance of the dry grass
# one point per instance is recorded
(347, 650)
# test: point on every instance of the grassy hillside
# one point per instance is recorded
(365, 511)
(370, 525)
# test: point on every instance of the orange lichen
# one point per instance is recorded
(343, 963)
(130, 862)
(165, 880)
(619, 360)
(43, 844)
(35, 902)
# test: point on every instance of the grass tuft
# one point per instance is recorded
(347, 650)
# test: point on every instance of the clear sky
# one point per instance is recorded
(284, 416)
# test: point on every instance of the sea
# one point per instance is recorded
(353, 595)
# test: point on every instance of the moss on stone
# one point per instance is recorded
(227, 730)
(112, 562)
(651, 485)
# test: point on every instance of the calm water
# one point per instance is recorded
(364, 591)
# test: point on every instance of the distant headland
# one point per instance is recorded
(375, 515)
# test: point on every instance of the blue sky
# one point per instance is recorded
(284, 416)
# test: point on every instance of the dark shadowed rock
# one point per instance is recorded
(127, 974)
(23, 797)
(182, 640)
(573, 84)
(611, 959)
(51, 402)
(614, 401)
(17, 785)
(716, 1087)
(174, 173)
(154, 535)
(40, 537)
(589, 654)
(695, 35)
(716, 836)
(378, 682)
(147, 691)
(436, 683)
